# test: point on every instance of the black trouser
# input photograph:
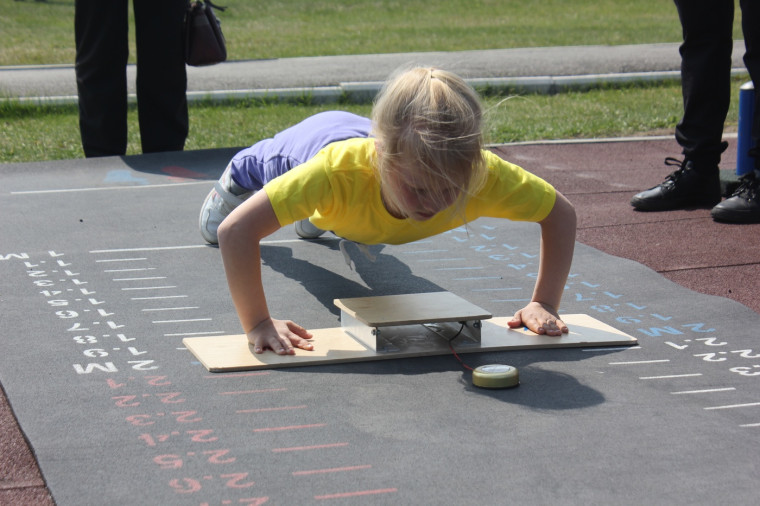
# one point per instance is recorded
(101, 30)
(706, 74)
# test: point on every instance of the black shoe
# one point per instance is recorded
(743, 205)
(684, 188)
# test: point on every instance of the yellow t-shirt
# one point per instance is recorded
(338, 190)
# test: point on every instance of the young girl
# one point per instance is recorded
(422, 172)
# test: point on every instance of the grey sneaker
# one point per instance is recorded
(220, 202)
(306, 229)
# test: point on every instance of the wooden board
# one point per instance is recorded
(233, 353)
(406, 309)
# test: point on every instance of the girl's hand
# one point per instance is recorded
(540, 318)
(279, 336)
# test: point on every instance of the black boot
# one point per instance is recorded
(684, 188)
(743, 205)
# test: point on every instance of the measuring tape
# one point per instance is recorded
(495, 376)
(491, 375)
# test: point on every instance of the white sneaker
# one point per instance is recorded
(306, 229)
(220, 202)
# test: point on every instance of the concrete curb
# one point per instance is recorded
(362, 92)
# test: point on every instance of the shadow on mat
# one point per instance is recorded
(198, 165)
(387, 275)
(540, 387)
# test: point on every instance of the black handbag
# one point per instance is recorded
(204, 40)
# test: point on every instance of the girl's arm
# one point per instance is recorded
(557, 245)
(239, 236)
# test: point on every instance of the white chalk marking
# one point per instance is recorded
(183, 321)
(148, 288)
(706, 391)
(637, 362)
(107, 188)
(170, 308)
(181, 334)
(671, 376)
(732, 406)
(139, 279)
(159, 297)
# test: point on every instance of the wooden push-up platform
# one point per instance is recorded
(401, 326)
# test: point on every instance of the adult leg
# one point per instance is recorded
(744, 205)
(101, 35)
(705, 78)
(706, 85)
(161, 74)
(751, 29)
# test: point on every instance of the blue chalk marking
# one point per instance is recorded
(123, 176)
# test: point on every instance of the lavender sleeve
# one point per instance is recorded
(253, 167)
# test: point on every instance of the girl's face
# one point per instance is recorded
(418, 201)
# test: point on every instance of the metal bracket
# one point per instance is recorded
(464, 333)
(412, 337)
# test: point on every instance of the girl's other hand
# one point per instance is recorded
(280, 336)
(539, 318)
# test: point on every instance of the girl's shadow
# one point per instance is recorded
(386, 275)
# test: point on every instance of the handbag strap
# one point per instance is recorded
(217, 7)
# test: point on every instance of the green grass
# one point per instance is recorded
(42, 33)
(51, 133)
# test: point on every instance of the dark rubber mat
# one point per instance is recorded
(104, 273)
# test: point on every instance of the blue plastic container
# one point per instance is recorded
(744, 163)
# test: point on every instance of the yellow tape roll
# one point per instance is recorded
(495, 376)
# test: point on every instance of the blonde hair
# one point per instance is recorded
(430, 121)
